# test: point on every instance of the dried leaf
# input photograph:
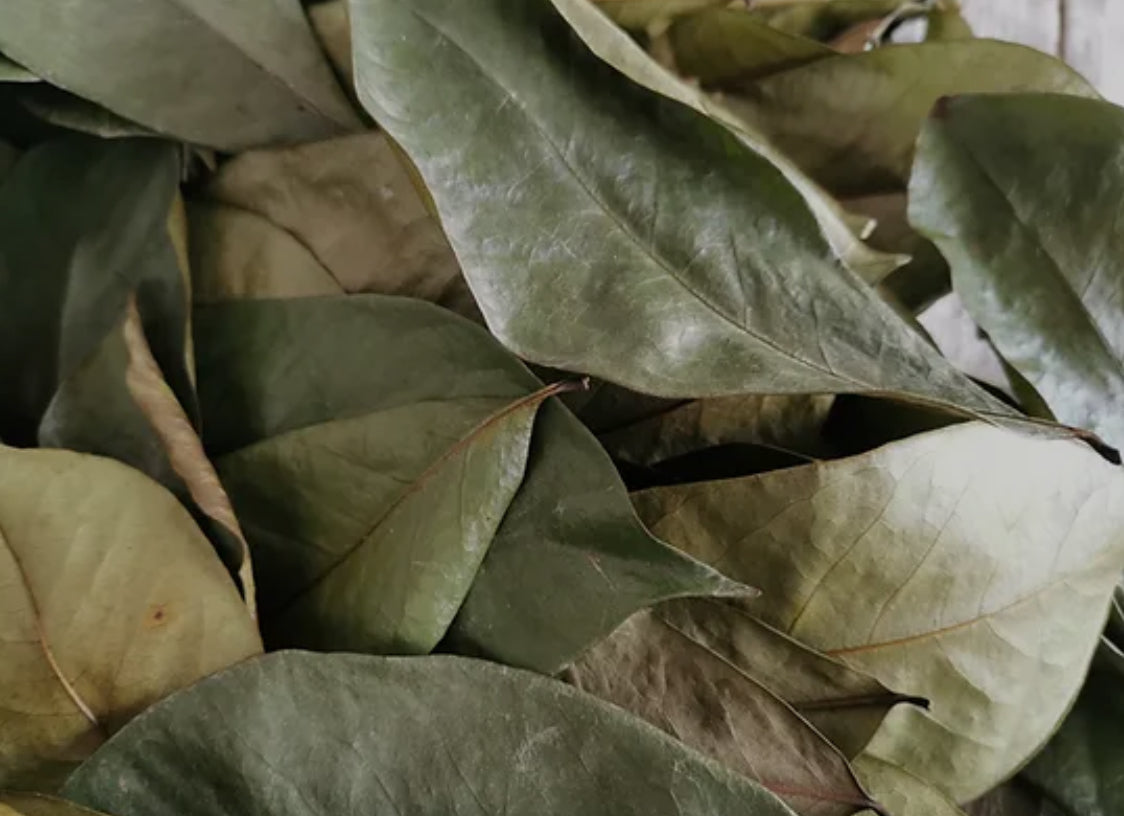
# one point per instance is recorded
(679, 292)
(352, 205)
(253, 71)
(662, 675)
(296, 733)
(321, 411)
(1036, 265)
(971, 566)
(851, 121)
(113, 599)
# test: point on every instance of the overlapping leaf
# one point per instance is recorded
(348, 203)
(609, 230)
(224, 75)
(1082, 766)
(112, 599)
(851, 121)
(1036, 264)
(94, 349)
(324, 412)
(673, 681)
(293, 733)
(971, 566)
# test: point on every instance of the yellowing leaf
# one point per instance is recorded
(112, 599)
(970, 566)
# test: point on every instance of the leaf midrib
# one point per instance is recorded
(41, 636)
(623, 226)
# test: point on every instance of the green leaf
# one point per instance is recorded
(94, 347)
(14, 72)
(640, 14)
(946, 22)
(33, 804)
(903, 793)
(844, 704)
(295, 733)
(664, 676)
(682, 287)
(972, 566)
(618, 50)
(229, 76)
(1082, 766)
(66, 110)
(851, 121)
(722, 45)
(1036, 265)
(113, 599)
(349, 203)
(822, 19)
(316, 406)
(791, 423)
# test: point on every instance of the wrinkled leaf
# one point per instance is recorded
(224, 75)
(352, 206)
(662, 675)
(679, 287)
(317, 407)
(788, 423)
(901, 792)
(113, 598)
(1082, 767)
(972, 566)
(851, 121)
(721, 45)
(294, 733)
(844, 704)
(1036, 264)
(32, 804)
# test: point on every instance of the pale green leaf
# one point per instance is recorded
(224, 75)
(971, 566)
(851, 121)
(594, 240)
(901, 792)
(293, 734)
(113, 598)
(1037, 265)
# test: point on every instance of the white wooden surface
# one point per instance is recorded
(1088, 34)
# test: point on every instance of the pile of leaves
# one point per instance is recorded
(539, 382)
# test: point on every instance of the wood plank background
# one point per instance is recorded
(1088, 34)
